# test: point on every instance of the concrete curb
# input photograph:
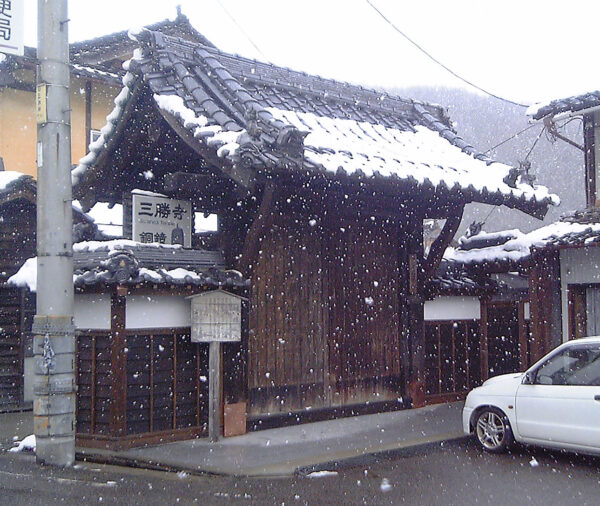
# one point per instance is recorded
(285, 468)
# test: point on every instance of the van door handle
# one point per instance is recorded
(597, 397)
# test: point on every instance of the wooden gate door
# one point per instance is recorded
(503, 338)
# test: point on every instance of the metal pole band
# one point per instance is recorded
(53, 325)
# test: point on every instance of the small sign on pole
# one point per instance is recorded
(12, 24)
(41, 109)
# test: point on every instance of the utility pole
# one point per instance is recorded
(53, 330)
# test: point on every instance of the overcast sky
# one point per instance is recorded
(524, 50)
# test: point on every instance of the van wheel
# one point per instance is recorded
(493, 431)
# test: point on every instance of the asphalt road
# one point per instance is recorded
(455, 473)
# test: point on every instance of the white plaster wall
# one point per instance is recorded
(157, 311)
(577, 266)
(92, 311)
(453, 308)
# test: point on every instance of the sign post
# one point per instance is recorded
(216, 318)
(214, 390)
(12, 22)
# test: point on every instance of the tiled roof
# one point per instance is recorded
(450, 280)
(517, 246)
(570, 104)
(130, 263)
(264, 117)
(120, 42)
(100, 57)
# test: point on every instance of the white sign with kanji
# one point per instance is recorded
(12, 25)
(161, 220)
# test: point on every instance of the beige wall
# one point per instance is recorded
(18, 129)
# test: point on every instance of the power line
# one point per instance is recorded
(535, 142)
(242, 30)
(510, 138)
(437, 61)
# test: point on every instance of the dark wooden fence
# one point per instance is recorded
(452, 358)
(166, 391)
(16, 311)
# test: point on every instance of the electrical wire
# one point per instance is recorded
(438, 62)
(526, 156)
(535, 142)
(242, 30)
(510, 138)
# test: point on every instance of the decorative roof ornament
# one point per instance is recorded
(474, 228)
(525, 176)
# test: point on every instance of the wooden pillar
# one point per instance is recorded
(88, 114)
(523, 363)
(545, 303)
(118, 364)
(483, 341)
(416, 304)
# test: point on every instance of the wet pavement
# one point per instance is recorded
(442, 473)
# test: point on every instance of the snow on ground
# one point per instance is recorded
(385, 485)
(28, 444)
(321, 474)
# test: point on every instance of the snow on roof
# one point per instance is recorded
(26, 276)
(519, 247)
(109, 220)
(421, 155)
(147, 193)
(94, 72)
(106, 131)
(119, 245)
(261, 117)
(8, 176)
(574, 103)
(226, 142)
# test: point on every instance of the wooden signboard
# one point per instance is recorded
(216, 317)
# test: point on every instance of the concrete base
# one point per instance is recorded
(57, 451)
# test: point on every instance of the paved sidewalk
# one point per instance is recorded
(284, 451)
(15, 426)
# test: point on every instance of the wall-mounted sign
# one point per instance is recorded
(41, 109)
(12, 23)
(161, 220)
